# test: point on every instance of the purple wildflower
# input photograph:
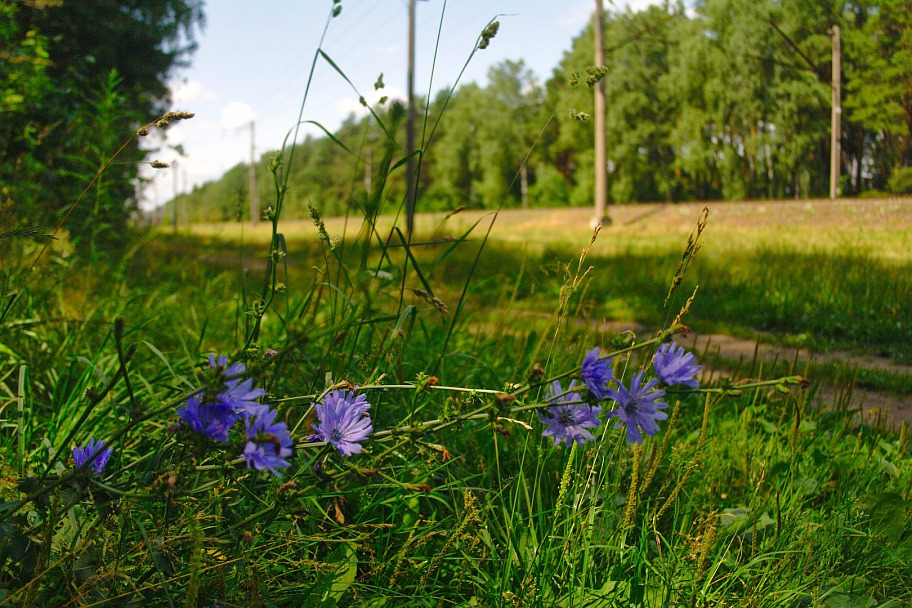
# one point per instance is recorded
(96, 448)
(638, 408)
(343, 421)
(597, 373)
(674, 365)
(213, 416)
(568, 416)
(268, 443)
(213, 420)
(239, 393)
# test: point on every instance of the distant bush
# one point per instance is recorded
(550, 188)
(901, 181)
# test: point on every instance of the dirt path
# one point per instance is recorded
(725, 351)
(893, 410)
(873, 405)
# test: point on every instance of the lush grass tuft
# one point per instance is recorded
(757, 498)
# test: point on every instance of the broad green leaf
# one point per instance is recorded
(347, 573)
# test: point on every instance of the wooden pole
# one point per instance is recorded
(601, 161)
(174, 203)
(836, 127)
(186, 198)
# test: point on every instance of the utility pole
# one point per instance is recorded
(254, 191)
(368, 170)
(186, 198)
(601, 162)
(411, 165)
(836, 84)
(174, 198)
(836, 128)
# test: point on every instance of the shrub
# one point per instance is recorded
(900, 181)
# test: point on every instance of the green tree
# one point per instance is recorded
(878, 50)
(455, 158)
(103, 74)
(766, 114)
(515, 94)
(484, 136)
(24, 82)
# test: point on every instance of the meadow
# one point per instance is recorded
(335, 413)
(750, 493)
(820, 274)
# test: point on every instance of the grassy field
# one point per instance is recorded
(748, 494)
(878, 227)
(820, 274)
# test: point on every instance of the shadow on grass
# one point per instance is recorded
(818, 300)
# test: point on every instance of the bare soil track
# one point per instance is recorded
(872, 406)
(892, 410)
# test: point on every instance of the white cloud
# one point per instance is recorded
(349, 105)
(236, 114)
(191, 91)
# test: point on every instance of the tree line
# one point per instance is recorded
(729, 99)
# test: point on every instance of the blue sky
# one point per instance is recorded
(253, 59)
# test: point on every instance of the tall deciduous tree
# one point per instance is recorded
(878, 62)
(103, 71)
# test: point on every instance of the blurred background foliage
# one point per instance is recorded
(77, 77)
(704, 103)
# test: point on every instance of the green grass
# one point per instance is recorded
(756, 499)
(823, 297)
(755, 491)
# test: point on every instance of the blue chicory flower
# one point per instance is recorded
(638, 408)
(597, 374)
(268, 443)
(344, 421)
(569, 416)
(239, 393)
(214, 420)
(214, 416)
(93, 447)
(674, 365)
